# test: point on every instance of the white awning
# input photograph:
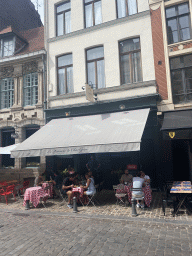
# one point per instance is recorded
(112, 132)
(7, 150)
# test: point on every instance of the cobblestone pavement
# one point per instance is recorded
(38, 233)
(107, 207)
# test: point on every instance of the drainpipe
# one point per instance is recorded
(44, 86)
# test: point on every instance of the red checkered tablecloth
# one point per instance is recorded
(34, 194)
(78, 190)
(146, 191)
(50, 189)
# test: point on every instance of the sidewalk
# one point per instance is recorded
(108, 208)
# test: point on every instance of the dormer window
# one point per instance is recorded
(7, 47)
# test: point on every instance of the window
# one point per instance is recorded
(7, 140)
(130, 61)
(126, 8)
(95, 67)
(6, 47)
(63, 14)
(178, 23)
(181, 76)
(30, 89)
(7, 93)
(65, 74)
(93, 15)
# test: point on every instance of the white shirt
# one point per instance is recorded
(137, 183)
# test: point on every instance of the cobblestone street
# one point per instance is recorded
(39, 233)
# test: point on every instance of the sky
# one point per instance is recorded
(40, 8)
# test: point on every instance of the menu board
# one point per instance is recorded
(181, 187)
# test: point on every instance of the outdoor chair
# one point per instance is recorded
(23, 187)
(92, 198)
(167, 198)
(137, 197)
(64, 198)
(121, 194)
(9, 190)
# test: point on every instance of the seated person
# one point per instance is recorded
(145, 177)
(90, 185)
(126, 178)
(38, 181)
(57, 179)
(67, 186)
(138, 183)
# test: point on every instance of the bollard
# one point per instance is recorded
(27, 207)
(75, 204)
(134, 212)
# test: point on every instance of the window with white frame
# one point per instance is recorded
(7, 93)
(65, 74)
(126, 8)
(30, 89)
(63, 18)
(7, 47)
(130, 61)
(95, 67)
(93, 13)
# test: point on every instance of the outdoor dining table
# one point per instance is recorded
(183, 190)
(78, 192)
(146, 191)
(49, 186)
(34, 194)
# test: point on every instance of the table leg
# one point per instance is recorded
(27, 207)
(180, 204)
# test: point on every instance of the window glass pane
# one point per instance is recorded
(100, 74)
(188, 77)
(98, 14)
(170, 12)
(91, 73)
(177, 86)
(88, 16)
(61, 81)
(95, 53)
(65, 60)
(8, 47)
(70, 80)
(187, 59)
(121, 8)
(125, 69)
(185, 34)
(136, 67)
(183, 8)
(64, 7)
(129, 45)
(132, 6)
(172, 31)
(60, 25)
(184, 22)
(67, 22)
(175, 63)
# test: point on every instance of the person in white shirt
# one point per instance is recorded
(90, 185)
(145, 177)
(138, 183)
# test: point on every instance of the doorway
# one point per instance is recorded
(181, 166)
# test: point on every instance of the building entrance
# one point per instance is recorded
(181, 165)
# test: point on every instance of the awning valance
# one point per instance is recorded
(112, 132)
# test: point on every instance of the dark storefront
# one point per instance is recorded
(177, 136)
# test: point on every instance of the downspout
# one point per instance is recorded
(46, 9)
(44, 86)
